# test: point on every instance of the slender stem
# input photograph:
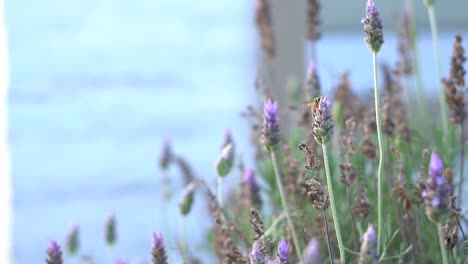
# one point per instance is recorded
(273, 225)
(443, 250)
(313, 51)
(461, 228)
(416, 67)
(285, 206)
(327, 233)
(419, 247)
(333, 205)
(407, 250)
(353, 222)
(462, 163)
(452, 257)
(111, 253)
(435, 42)
(381, 156)
(220, 191)
(182, 240)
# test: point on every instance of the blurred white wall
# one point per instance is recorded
(4, 157)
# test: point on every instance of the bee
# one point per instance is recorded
(313, 104)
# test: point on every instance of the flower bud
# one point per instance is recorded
(270, 127)
(186, 202)
(373, 27)
(110, 230)
(73, 240)
(225, 161)
(368, 253)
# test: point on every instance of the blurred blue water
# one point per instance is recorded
(97, 85)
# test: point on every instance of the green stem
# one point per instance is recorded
(353, 222)
(111, 253)
(417, 71)
(285, 206)
(220, 191)
(182, 240)
(333, 205)
(443, 250)
(435, 42)
(381, 155)
(327, 233)
(462, 164)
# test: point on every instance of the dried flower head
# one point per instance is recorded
(313, 162)
(110, 229)
(312, 252)
(282, 255)
(367, 147)
(373, 27)
(368, 253)
(313, 20)
(270, 127)
(388, 126)
(265, 30)
(348, 173)
(318, 196)
(158, 251)
(436, 191)
(186, 201)
(404, 65)
(450, 235)
(455, 82)
(362, 206)
(54, 254)
(323, 120)
(73, 242)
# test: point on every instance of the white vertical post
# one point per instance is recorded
(5, 186)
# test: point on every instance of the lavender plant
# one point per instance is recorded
(374, 39)
(275, 206)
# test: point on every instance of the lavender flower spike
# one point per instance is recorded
(158, 251)
(54, 254)
(121, 261)
(312, 83)
(270, 127)
(373, 27)
(436, 191)
(322, 120)
(312, 252)
(282, 256)
(368, 253)
(250, 188)
(256, 256)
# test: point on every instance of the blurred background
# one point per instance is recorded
(96, 86)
